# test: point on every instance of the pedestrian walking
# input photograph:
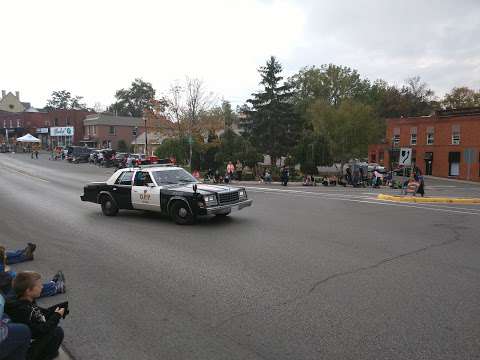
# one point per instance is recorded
(36, 154)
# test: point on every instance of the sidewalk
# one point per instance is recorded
(429, 177)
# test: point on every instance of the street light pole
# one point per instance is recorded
(146, 139)
(391, 161)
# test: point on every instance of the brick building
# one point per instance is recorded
(445, 144)
(105, 131)
(38, 123)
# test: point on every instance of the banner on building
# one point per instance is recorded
(61, 131)
(42, 131)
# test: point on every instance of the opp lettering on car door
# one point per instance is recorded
(145, 192)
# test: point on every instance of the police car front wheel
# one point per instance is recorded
(181, 213)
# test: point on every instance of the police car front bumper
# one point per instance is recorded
(225, 209)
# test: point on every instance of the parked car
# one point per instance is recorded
(78, 154)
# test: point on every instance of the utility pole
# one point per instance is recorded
(146, 139)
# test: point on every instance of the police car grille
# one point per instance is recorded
(230, 197)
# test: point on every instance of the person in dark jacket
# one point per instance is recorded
(14, 338)
(47, 336)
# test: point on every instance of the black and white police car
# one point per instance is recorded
(166, 189)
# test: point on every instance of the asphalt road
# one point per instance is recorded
(306, 273)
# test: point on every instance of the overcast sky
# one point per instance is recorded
(95, 47)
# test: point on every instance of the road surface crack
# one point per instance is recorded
(456, 238)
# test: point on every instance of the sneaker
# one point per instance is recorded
(29, 250)
(3, 257)
(58, 276)
(60, 285)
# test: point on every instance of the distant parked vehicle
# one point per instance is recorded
(78, 154)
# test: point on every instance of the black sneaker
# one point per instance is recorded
(58, 276)
(29, 250)
(3, 257)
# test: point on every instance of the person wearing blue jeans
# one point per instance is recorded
(50, 288)
(16, 256)
(14, 338)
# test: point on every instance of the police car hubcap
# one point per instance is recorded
(182, 212)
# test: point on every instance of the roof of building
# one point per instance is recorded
(105, 119)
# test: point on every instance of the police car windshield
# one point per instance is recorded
(173, 176)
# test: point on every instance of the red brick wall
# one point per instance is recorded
(103, 135)
(73, 118)
(469, 138)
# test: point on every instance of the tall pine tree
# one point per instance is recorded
(273, 125)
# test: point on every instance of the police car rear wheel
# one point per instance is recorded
(181, 214)
(109, 208)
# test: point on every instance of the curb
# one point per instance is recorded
(63, 355)
(414, 199)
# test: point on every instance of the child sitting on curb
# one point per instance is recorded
(47, 336)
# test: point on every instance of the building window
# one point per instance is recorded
(67, 121)
(413, 139)
(453, 163)
(111, 130)
(55, 122)
(381, 156)
(396, 139)
(430, 139)
(456, 135)
(373, 157)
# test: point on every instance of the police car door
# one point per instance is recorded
(145, 193)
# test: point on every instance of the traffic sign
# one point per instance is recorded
(405, 156)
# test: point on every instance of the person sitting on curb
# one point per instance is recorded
(14, 338)
(412, 185)
(47, 336)
(50, 288)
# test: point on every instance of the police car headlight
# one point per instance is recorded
(210, 200)
(242, 194)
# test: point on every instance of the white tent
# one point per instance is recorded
(28, 138)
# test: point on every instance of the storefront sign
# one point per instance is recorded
(61, 131)
(42, 131)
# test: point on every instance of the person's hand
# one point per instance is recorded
(60, 311)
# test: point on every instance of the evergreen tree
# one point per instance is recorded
(273, 126)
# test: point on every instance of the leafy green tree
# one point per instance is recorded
(331, 83)
(274, 125)
(234, 147)
(461, 97)
(419, 97)
(134, 100)
(311, 151)
(122, 146)
(349, 129)
(63, 100)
